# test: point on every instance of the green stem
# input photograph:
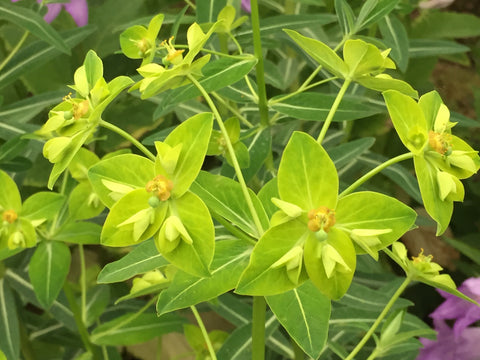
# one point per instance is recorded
(232, 110)
(83, 284)
(14, 50)
(379, 319)
(84, 335)
(128, 137)
(333, 110)
(373, 355)
(300, 90)
(374, 172)
(236, 166)
(260, 71)
(204, 332)
(258, 328)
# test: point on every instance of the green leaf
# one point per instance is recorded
(440, 211)
(224, 196)
(48, 270)
(132, 220)
(316, 106)
(135, 328)
(395, 36)
(347, 153)
(36, 54)
(428, 47)
(445, 25)
(194, 135)
(142, 258)
(372, 11)
(321, 53)
(194, 258)
(42, 206)
(25, 109)
(230, 259)
(9, 195)
(79, 233)
(34, 23)
(97, 300)
(9, 331)
(208, 10)
(336, 284)
(93, 69)
(307, 176)
(114, 177)
(346, 17)
(304, 312)
(371, 210)
(408, 119)
(261, 277)
(217, 75)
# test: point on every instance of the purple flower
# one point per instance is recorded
(246, 5)
(463, 312)
(449, 346)
(78, 9)
(460, 342)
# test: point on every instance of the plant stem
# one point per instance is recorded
(379, 318)
(14, 50)
(83, 284)
(204, 332)
(84, 335)
(333, 110)
(375, 171)
(128, 137)
(232, 110)
(236, 166)
(300, 90)
(258, 328)
(260, 71)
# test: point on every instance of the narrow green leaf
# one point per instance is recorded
(396, 37)
(142, 258)
(231, 257)
(346, 153)
(48, 270)
(25, 109)
(321, 53)
(429, 47)
(445, 25)
(34, 23)
(9, 331)
(346, 17)
(372, 11)
(97, 300)
(316, 106)
(207, 10)
(304, 312)
(36, 54)
(224, 196)
(133, 328)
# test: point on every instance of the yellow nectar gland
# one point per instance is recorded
(9, 216)
(173, 53)
(321, 218)
(79, 109)
(439, 142)
(422, 258)
(160, 186)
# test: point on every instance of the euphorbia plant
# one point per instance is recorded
(272, 216)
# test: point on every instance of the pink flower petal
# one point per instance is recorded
(79, 11)
(52, 13)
